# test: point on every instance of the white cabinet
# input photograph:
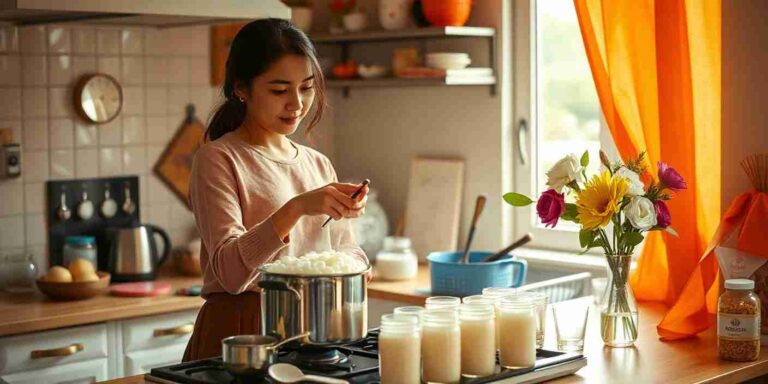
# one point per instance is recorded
(89, 371)
(139, 362)
(155, 341)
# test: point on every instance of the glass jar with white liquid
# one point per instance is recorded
(399, 350)
(517, 332)
(478, 339)
(441, 346)
(396, 261)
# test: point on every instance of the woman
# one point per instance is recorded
(256, 194)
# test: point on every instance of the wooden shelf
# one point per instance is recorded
(407, 82)
(403, 34)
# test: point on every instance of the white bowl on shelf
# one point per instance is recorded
(372, 71)
(448, 64)
(447, 55)
(355, 22)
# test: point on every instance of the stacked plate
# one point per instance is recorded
(447, 60)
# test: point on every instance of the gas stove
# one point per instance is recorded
(357, 363)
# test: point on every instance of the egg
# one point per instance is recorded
(58, 274)
(91, 276)
(82, 268)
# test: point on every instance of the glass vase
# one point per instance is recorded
(618, 316)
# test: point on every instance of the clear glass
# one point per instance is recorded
(540, 301)
(618, 315)
(517, 332)
(478, 339)
(21, 272)
(399, 349)
(436, 302)
(411, 310)
(598, 289)
(441, 346)
(479, 299)
(567, 108)
(570, 324)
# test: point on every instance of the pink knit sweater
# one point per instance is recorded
(234, 190)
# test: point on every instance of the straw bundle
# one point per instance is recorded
(756, 167)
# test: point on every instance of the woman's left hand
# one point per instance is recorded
(358, 209)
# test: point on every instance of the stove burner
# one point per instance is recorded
(317, 358)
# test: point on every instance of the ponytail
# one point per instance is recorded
(228, 117)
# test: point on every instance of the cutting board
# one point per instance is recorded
(433, 205)
(174, 166)
(141, 289)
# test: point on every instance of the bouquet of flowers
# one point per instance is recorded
(618, 196)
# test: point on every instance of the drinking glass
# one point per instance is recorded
(570, 325)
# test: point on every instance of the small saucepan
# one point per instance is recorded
(246, 355)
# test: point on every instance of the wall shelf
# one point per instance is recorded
(344, 40)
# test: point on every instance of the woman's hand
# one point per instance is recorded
(333, 200)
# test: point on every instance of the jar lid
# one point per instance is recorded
(740, 284)
(394, 242)
(80, 240)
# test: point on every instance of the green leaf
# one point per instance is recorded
(671, 231)
(517, 200)
(632, 238)
(570, 213)
(585, 159)
(585, 238)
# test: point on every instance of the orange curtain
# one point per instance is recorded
(656, 66)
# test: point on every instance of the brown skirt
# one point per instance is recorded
(221, 316)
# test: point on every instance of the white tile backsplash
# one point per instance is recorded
(84, 41)
(63, 164)
(35, 134)
(32, 39)
(108, 41)
(59, 39)
(12, 201)
(35, 70)
(61, 133)
(59, 70)
(10, 102)
(34, 102)
(34, 197)
(12, 231)
(87, 163)
(10, 70)
(39, 67)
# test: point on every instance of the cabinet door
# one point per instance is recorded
(140, 362)
(158, 331)
(75, 373)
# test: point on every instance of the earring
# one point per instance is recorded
(242, 100)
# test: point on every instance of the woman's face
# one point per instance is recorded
(281, 97)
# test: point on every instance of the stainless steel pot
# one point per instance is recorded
(251, 354)
(332, 308)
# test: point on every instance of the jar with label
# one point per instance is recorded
(440, 346)
(396, 261)
(79, 247)
(738, 321)
(399, 350)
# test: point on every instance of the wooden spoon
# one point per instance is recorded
(498, 255)
(479, 205)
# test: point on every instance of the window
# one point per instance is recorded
(556, 108)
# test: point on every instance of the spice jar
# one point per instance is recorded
(738, 321)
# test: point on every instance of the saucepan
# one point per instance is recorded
(246, 355)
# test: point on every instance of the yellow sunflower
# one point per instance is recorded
(600, 200)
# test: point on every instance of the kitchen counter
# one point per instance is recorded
(650, 361)
(410, 291)
(32, 312)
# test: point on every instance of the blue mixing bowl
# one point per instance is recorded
(449, 277)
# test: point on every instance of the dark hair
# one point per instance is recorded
(254, 49)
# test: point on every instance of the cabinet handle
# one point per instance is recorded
(178, 331)
(58, 352)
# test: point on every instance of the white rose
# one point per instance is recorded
(566, 170)
(641, 213)
(636, 187)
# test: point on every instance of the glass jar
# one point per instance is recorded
(442, 302)
(411, 310)
(396, 261)
(441, 346)
(517, 332)
(399, 350)
(79, 247)
(478, 339)
(738, 321)
(495, 294)
(479, 299)
(21, 272)
(540, 301)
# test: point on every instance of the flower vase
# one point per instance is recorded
(618, 315)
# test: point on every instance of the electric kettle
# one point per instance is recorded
(133, 254)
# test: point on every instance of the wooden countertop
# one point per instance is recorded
(410, 291)
(650, 361)
(32, 312)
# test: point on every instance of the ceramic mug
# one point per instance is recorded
(395, 14)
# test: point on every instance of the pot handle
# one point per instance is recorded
(278, 286)
(288, 340)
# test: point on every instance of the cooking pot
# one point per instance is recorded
(333, 308)
(251, 354)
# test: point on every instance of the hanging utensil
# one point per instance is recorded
(108, 207)
(63, 212)
(519, 243)
(479, 205)
(128, 205)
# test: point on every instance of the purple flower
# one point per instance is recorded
(670, 178)
(663, 218)
(550, 206)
